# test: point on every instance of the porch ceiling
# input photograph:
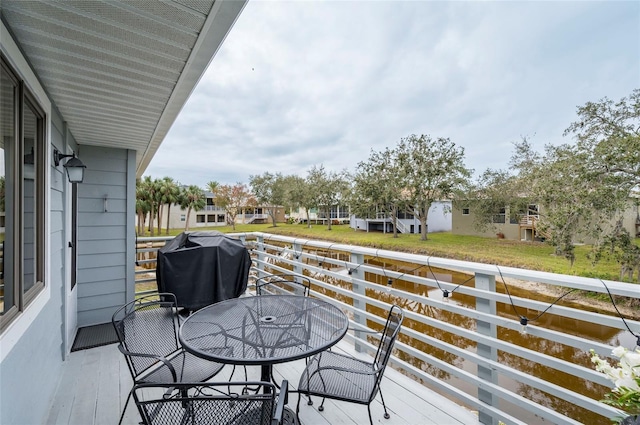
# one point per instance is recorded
(120, 71)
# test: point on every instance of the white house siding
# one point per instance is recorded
(31, 347)
(178, 218)
(105, 238)
(438, 220)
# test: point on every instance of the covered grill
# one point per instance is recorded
(202, 268)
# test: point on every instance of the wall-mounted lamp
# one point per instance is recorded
(75, 167)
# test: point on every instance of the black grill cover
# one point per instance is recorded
(202, 268)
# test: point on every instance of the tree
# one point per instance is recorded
(581, 186)
(270, 190)
(378, 187)
(233, 199)
(146, 193)
(170, 194)
(327, 189)
(213, 186)
(607, 135)
(619, 246)
(142, 205)
(151, 194)
(431, 170)
(299, 194)
(495, 190)
(192, 198)
(610, 133)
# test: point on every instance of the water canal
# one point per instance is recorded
(586, 330)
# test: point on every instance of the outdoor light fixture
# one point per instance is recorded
(75, 167)
(523, 321)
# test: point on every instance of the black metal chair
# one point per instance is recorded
(283, 284)
(147, 329)
(346, 378)
(210, 403)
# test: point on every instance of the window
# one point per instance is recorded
(200, 218)
(499, 216)
(183, 217)
(211, 218)
(465, 211)
(22, 192)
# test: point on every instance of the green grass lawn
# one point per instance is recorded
(527, 255)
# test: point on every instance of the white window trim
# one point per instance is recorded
(17, 328)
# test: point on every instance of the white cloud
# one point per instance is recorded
(303, 83)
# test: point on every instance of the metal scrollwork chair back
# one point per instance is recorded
(346, 378)
(283, 284)
(147, 330)
(211, 403)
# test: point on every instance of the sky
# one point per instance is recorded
(298, 84)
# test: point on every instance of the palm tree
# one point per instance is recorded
(213, 186)
(157, 203)
(151, 189)
(194, 198)
(143, 201)
(142, 205)
(170, 195)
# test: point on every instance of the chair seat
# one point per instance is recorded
(189, 368)
(339, 376)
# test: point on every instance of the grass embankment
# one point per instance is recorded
(527, 255)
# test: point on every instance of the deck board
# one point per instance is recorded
(95, 384)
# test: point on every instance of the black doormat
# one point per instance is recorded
(94, 336)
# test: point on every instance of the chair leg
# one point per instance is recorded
(321, 407)
(126, 403)
(369, 410)
(386, 414)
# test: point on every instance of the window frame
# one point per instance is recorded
(14, 205)
(500, 216)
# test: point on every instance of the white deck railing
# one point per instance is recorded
(464, 340)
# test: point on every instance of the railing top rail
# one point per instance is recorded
(583, 283)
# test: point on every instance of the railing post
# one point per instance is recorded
(297, 254)
(486, 283)
(261, 255)
(356, 275)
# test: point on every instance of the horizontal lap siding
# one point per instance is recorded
(102, 235)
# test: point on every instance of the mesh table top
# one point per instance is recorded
(263, 330)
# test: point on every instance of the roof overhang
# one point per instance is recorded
(119, 72)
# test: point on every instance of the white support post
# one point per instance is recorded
(297, 257)
(261, 256)
(357, 288)
(487, 283)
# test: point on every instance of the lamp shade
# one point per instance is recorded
(75, 170)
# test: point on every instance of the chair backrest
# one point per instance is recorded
(388, 338)
(147, 325)
(207, 403)
(283, 284)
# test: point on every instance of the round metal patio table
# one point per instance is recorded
(263, 330)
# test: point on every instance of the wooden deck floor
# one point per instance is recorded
(96, 382)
